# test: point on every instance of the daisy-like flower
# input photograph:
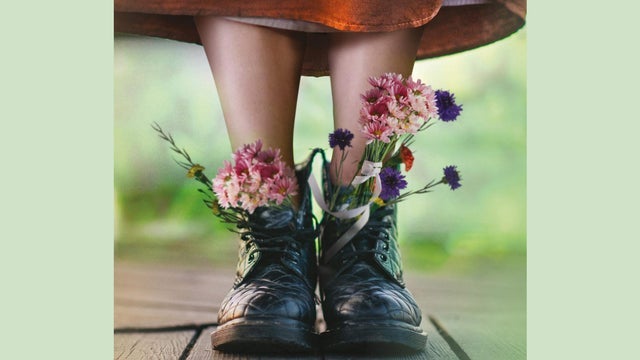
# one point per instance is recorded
(394, 109)
(377, 130)
(451, 177)
(254, 177)
(410, 125)
(248, 151)
(398, 91)
(372, 95)
(448, 110)
(225, 186)
(385, 81)
(375, 111)
(392, 182)
(224, 176)
(424, 104)
(281, 188)
(417, 86)
(268, 156)
(266, 170)
(340, 138)
(258, 177)
(249, 202)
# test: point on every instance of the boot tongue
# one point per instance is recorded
(272, 218)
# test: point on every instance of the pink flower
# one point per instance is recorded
(410, 125)
(398, 91)
(418, 104)
(382, 82)
(385, 81)
(377, 109)
(395, 106)
(242, 168)
(226, 185)
(266, 170)
(256, 178)
(372, 95)
(253, 182)
(377, 130)
(248, 202)
(268, 156)
(416, 86)
(248, 151)
(425, 103)
(282, 188)
(396, 110)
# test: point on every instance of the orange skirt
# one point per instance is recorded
(450, 26)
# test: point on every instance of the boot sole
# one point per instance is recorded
(264, 335)
(389, 337)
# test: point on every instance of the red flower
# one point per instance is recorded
(407, 157)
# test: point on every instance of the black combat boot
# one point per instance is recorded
(271, 306)
(364, 300)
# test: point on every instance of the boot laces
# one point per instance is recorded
(278, 244)
(364, 244)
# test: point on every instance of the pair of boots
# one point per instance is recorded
(272, 305)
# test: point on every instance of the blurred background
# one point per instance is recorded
(160, 217)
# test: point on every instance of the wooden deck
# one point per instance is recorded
(169, 313)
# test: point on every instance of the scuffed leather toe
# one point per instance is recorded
(364, 295)
(273, 293)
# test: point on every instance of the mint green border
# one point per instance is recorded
(57, 188)
(57, 180)
(582, 197)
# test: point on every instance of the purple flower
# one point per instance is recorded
(392, 182)
(451, 177)
(340, 138)
(447, 108)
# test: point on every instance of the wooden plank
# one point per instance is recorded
(147, 346)
(199, 287)
(437, 347)
(483, 310)
(142, 316)
(152, 296)
(203, 351)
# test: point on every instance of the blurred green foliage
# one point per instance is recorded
(160, 216)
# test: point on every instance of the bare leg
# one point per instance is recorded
(257, 74)
(353, 58)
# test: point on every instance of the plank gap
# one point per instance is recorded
(130, 330)
(192, 342)
(455, 347)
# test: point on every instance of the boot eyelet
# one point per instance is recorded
(383, 257)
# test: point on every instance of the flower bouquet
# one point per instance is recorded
(393, 111)
(254, 177)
